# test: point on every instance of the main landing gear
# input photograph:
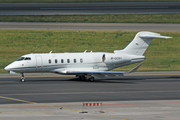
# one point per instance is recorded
(92, 79)
(22, 79)
(87, 77)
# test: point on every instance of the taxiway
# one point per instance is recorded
(137, 96)
(52, 89)
(91, 26)
(89, 8)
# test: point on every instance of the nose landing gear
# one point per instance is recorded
(22, 79)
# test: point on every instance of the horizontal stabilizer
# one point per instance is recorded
(154, 36)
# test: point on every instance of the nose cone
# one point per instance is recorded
(13, 67)
(7, 68)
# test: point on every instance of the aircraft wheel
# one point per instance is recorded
(92, 79)
(80, 77)
(22, 77)
(22, 80)
(83, 77)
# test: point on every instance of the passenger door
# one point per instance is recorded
(39, 63)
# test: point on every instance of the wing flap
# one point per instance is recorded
(94, 72)
(99, 74)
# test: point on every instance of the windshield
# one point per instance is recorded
(23, 58)
(27, 58)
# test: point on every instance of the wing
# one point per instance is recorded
(104, 74)
(100, 74)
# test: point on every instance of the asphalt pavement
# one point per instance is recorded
(51, 88)
(137, 96)
(89, 8)
(91, 26)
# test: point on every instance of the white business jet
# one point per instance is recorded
(86, 65)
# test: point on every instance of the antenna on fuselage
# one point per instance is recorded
(85, 51)
(50, 52)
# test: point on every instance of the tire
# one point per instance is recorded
(92, 79)
(83, 77)
(22, 80)
(80, 77)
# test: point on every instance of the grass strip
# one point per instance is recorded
(162, 55)
(106, 18)
(78, 1)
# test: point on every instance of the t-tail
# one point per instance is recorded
(140, 43)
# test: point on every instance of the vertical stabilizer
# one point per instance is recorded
(140, 43)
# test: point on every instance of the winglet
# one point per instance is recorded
(134, 69)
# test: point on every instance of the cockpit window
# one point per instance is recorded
(23, 58)
(27, 58)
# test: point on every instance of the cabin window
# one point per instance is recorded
(62, 61)
(68, 61)
(49, 61)
(81, 60)
(74, 60)
(56, 61)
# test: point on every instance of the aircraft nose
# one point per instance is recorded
(6, 68)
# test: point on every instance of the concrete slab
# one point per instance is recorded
(123, 110)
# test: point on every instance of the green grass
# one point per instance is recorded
(107, 18)
(162, 55)
(75, 1)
